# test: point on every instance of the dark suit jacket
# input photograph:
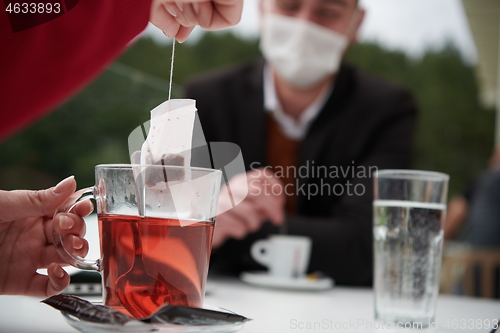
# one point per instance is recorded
(365, 123)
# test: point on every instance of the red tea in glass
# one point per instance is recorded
(174, 264)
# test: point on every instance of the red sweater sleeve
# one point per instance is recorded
(42, 66)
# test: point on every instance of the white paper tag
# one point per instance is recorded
(170, 134)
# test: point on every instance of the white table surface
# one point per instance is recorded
(273, 311)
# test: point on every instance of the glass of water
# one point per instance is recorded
(409, 212)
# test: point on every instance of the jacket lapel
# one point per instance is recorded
(324, 126)
(251, 134)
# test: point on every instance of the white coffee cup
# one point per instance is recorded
(285, 256)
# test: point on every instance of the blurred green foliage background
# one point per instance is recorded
(455, 133)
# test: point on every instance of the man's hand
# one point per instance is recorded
(261, 205)
(178, 18)
(26, 239)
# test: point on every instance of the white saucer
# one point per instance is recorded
(263, 279)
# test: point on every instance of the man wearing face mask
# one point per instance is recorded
(312, 131)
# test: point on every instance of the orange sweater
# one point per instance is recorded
(282, 153)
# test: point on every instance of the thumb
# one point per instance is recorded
(21, 204)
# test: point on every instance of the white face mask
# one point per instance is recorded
(302, 52)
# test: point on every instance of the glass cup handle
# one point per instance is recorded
(260, 252)
(75, 261)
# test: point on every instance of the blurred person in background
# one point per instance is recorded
(312, 131)
(42, 65)
(475, 216)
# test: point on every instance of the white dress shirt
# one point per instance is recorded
(292, 129)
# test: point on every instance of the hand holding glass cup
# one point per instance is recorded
(409, 212)
(155, 226)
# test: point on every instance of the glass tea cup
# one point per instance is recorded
(155, 228)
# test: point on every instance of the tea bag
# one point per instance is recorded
(170, 134)
(168, 143)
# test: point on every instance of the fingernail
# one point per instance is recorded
(171, 10)
(66, 222)
(63, 185)
(196, 8)
(77, 243)
(180, 5)
(59, 272)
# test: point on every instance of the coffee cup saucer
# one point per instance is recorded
(264, 279)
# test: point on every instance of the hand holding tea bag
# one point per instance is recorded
(178, 18)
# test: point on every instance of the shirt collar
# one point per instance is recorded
(292, 129)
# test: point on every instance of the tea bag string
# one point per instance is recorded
(169, 95)
(171, 70)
